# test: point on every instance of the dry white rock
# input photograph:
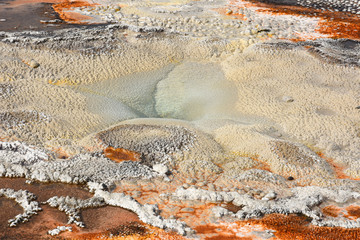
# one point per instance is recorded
(161, 169)
(34, 64)
(270, 196)
(287, 99)
(58, 230)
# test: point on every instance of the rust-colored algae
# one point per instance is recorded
(220, 231)
(98, 221)
(284, 227)
(71, 17)
(224, 237)
(107, 220)
(232, 14)
(338, 169)
(233, 208)
(262, 165)
(294, 227)
(135, 230)
(60, 153)
(333, 24)
(240, 230)
(353, 212)
(331, 211)
(45, 220)
(121, 154)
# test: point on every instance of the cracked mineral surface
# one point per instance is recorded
(181, 119)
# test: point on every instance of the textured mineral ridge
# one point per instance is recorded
(185, 119)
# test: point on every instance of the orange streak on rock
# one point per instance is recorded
(74, 17)
(341, 25)
(228, 238)
(223, 11)
(331, 211)
(121, 154)
(61, 153)
(332, 24)
(25, 62)
(353, 212)
(240, 230)
(219, 232)
(77, 18)
(197, 215)
(262, 165)
(338, 169)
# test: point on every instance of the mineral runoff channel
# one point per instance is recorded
(179, 120)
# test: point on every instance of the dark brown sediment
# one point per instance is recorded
(49, 15)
